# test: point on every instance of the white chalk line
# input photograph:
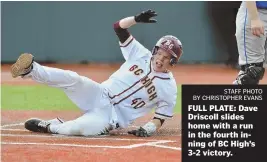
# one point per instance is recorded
(64, 144)
(83, 138)
(147, 144)
(168, 147)
(90, 146)
(121, 133)
(152, 143)
(15, 130)
(11, 125)
(24, 130)
(20, 124)
(94, 138)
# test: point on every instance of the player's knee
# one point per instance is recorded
(252, 74)
(75, 130)
(67, 128)
(98, 128)
(74, 77)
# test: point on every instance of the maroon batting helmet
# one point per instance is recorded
(172, 45)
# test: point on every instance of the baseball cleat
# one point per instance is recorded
(37, 125)
(23, 65)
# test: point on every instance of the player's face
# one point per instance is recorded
(161, 61)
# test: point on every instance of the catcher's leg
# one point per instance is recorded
(239, 74)
(250, 47)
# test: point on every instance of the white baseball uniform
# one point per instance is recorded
(131, 92)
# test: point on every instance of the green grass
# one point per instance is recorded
(43, 98)
(34, 98)
(178, 105)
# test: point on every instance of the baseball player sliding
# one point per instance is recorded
(143, 82)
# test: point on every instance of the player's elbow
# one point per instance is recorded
(116, 26)
(123, 34)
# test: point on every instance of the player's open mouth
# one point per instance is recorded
(158, 64)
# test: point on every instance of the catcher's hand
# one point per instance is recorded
(145, 16)
(141, 132)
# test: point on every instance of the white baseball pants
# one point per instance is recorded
(87, 94)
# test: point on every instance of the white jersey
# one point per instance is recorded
(135, 89)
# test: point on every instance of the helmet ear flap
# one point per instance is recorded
(173, 61)
(155, 49)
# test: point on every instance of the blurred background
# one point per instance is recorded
(82, 32)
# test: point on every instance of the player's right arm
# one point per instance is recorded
(256, 24)
(130, 47)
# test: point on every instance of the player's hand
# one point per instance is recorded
(145, 17)
(141, 132)
(257, 27)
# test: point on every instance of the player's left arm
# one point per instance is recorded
(121, 27)
(163, 113)
(148, 129)
(130, 47)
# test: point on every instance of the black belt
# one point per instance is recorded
(243, 67)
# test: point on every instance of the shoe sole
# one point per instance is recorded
(23, 63)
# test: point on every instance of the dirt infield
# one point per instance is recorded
(20, 145)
